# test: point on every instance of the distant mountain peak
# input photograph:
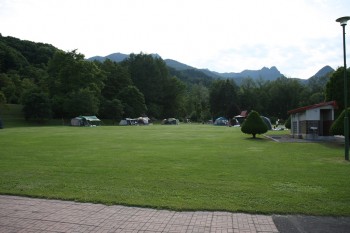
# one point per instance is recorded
(177, 65)
(264, 73)
(117, 57)
(324, 71)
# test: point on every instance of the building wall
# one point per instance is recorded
(312, 123)
(313, 114)
(296, 128)
(305, 129)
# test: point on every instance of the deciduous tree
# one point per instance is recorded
(133, 102)
(36, 105)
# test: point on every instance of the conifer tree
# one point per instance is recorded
(254, 124)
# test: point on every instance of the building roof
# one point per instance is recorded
(243, 114)
(303, 109)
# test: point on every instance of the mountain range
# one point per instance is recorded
(265, 73)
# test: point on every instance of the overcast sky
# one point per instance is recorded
(299, 37)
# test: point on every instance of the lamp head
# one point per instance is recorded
(343, 20)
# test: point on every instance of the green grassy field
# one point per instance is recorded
(184, 167)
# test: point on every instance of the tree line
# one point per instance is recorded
(51, 83)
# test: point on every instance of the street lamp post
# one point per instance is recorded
(343, 21)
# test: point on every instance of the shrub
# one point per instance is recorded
(337, 127)
(288, 123)
(254, 124)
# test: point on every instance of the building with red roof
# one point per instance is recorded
(313, 121)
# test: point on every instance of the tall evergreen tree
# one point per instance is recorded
(223, 99)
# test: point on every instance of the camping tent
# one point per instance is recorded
(221, 121)
(128, 121)
(143, 120)
(267, 122)
(170, 121)
(85, 121)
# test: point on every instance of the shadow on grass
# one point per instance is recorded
(257, 139)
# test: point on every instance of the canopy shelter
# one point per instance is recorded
(85, 121)
(241, 117)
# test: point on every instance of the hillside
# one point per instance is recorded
(177, 65)
(16, 54)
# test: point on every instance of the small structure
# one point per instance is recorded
(85, 121)
(314, 121)
(242, 116)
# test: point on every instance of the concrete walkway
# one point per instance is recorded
(21, 214)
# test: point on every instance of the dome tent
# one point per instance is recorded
(267, 122)
(221, 121)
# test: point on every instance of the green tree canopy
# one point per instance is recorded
(337, 127)
(223, 99)
(173, 98)
(81, 102)
(111, 109)
(11, 59)
(117, 78)
(283, 96)
(72, 81)
(36, 105)
(2, 98)
(133, 102)
(197, 103)
(335, 88)
(150, 75)
(254, 124)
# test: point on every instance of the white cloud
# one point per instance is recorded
(298, 37)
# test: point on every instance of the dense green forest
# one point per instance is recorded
(51, 83)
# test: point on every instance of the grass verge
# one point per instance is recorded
(185, 167)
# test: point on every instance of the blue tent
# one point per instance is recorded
(221, 121)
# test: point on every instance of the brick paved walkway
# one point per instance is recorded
(21, 214)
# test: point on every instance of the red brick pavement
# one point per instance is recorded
(21, 214)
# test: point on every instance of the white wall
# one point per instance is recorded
(313, 114)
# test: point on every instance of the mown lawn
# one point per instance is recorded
(185, 167)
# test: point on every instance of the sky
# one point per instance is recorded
(299, 37)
